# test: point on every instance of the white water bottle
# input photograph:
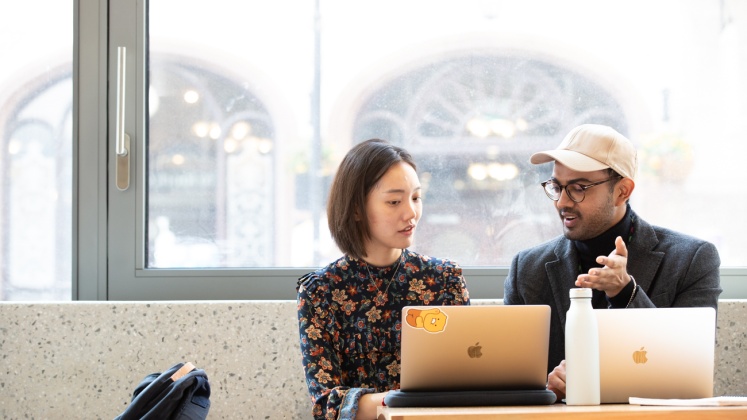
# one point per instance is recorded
(581, 351)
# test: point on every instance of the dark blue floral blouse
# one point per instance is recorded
(350, 327)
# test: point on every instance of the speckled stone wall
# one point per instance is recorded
(81, 360)
(730, 376)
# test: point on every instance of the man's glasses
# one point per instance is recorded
(576, 192)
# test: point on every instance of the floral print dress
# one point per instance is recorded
(349, 318)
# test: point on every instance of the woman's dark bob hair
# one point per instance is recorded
(360, 170)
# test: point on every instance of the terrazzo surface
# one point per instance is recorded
(83, 359)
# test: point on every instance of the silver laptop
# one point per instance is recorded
(656, 353)
(482, 347)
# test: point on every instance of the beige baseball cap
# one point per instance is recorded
(593, 147)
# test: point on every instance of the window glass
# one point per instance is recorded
(36, 153)
(253, 104)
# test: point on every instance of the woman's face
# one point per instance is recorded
(394, 207)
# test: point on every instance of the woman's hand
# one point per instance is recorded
(367, 406)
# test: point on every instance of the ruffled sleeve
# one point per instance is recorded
(456, 285)
(435, 281)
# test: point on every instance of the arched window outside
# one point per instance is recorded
(210, 170)
(472, 122)
(252, 104)
(35, 206)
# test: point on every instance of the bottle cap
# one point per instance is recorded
(580, 292)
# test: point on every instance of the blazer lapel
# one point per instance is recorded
(562, 274)
(643, 262)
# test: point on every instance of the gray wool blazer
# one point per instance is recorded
(671, 269)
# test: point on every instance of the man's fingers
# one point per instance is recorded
(620, 248)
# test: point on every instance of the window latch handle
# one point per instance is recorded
(122, 139)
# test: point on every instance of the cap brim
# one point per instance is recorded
(574, 160)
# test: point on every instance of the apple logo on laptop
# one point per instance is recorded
(475, 351)
(639, 356)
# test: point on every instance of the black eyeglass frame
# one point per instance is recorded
(565, 187)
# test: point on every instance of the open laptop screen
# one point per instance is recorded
(474, 347)
(656, 353)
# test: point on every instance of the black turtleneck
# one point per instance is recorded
(604, 244)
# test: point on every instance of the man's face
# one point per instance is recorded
(595, 214)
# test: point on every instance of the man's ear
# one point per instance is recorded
(624, 189)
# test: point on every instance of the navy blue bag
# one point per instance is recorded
(182, 392)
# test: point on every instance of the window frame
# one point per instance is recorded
(108, 237)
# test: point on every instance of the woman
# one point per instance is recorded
(349, 312)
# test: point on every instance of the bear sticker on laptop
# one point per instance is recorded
(431, 320)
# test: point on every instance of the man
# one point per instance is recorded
(605, 246)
